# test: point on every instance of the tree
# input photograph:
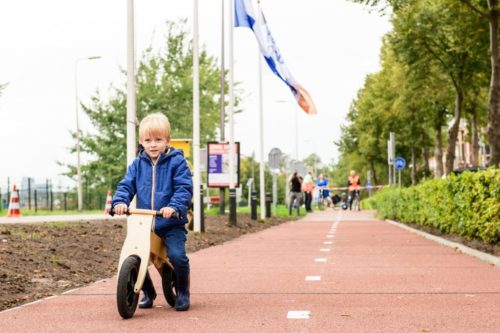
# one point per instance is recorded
(164, 84)
(2, 87)
(428, 32)
(489, 12)
(492, 15)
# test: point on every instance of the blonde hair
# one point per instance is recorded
(154, 124)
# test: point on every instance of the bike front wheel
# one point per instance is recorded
(126, 297)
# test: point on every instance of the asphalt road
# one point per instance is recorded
(333, 271)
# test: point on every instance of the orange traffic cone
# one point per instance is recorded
(14, 208)
(109, 199)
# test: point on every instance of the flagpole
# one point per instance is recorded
(131, 98)
(196, 123)
(131, 111)
(261, 129)
(232, 191)
(222, 190)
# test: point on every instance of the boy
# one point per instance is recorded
(162, 181)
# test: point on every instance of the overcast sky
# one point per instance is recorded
(328, 45)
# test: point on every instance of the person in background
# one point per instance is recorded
(353, 183)
(307, 188)
(295, 182)
(324, 192)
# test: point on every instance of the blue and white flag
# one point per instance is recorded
(244, 16)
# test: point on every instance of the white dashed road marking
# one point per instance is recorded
(313, 278)
(298, 314)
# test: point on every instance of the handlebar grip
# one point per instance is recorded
(174, 215)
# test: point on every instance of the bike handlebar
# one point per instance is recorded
(131, 211)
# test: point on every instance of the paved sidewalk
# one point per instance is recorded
(57, 218)
(333, 271)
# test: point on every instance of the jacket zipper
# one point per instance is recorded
(153, 185)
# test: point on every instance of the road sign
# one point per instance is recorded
(274, 158)
(399, 163)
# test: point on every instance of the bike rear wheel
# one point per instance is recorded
(168, 284)
(126, 298)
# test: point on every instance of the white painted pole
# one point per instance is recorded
(78, 137)
(231, 98)
(131, 107)
(78, 161)
(131, 104)
(196, 123)
(261, 134)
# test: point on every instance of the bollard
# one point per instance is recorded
(232, 207)
(253, 205)
(202, 210)
(268, 204)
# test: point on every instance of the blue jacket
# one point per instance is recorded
(169, 180)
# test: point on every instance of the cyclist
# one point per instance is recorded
(324, 192)
(353, 183)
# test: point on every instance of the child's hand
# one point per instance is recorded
(120, 209)
(167, 211)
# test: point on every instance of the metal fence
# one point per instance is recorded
(43, 196)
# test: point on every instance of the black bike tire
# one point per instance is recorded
(168, 281)
(126, 298)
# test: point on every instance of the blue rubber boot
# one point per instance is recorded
(182, 288)
(149, 293)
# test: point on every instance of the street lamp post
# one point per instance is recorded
(78, 161)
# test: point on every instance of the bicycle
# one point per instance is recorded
(142, 246)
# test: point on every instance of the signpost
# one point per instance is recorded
(399, 164)
(218, 164)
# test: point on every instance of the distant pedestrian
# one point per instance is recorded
(324, 192)
(307, 188)
(295, 182)
(353, 183)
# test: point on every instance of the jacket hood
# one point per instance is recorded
(169, 153)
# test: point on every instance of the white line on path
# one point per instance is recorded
(320, 259)
(313, 278)
(298, 314)
(325, 250)
(327, 242)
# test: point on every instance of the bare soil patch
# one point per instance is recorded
(40, 260)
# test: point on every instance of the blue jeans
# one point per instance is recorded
(175, 241)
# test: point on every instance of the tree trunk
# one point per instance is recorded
(494, 96)
(425, 153)
(453, 132)
(475, 139)
(414, 166)
(374, 174)
(438, 153)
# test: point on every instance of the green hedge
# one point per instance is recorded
(467, 204)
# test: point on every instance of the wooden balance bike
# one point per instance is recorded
(142, 247)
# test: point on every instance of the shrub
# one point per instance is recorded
(467, 204)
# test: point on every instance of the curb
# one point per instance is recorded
(486, 257)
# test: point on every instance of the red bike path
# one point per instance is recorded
(332, 271)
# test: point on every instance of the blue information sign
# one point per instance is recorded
(399, 163)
